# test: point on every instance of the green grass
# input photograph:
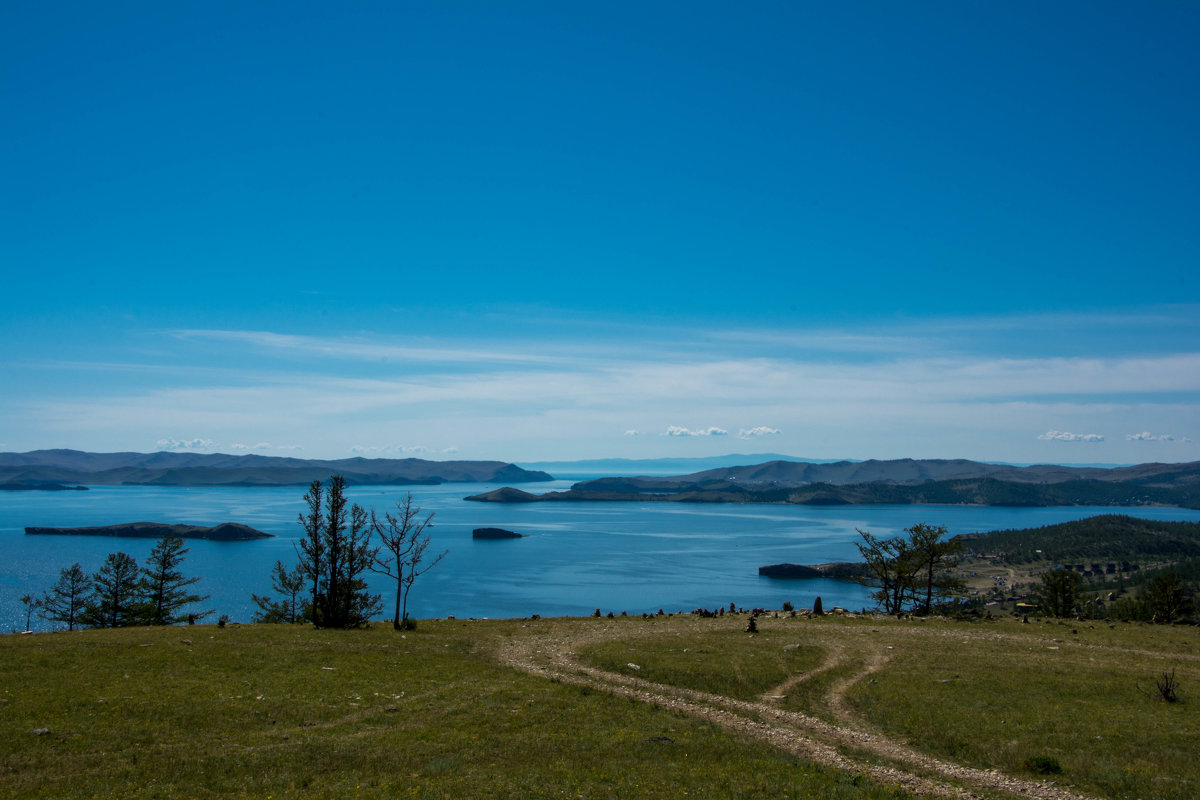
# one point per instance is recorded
(288, 711)
(275, 711)
(1085, 699)
(994, 695)
(729, 662)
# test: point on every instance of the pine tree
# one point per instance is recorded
(1165, 598)
(311, 549)
(335, 554)
(288, 610)
(67, 598)
(163, 587)
(1059, 592)
(113, 604)
(904, 568)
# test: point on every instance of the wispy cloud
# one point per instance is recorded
(761, 430)
(1147, 436)
(1064, 436)
(185, 444)
(365, 349)
(676, 430)
(408, 450)
(521, 399)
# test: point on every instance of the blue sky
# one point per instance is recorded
(555, 230)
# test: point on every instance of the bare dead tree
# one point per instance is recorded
(402, 555)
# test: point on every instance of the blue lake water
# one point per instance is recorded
(576, 557)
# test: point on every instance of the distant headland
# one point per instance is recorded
(899, 482)
(48, 467)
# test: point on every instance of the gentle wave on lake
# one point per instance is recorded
(635, 557)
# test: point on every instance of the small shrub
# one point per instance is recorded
(1043, 765)
(787, 605)
(408, 624)
(1167, 686)
(818, 609)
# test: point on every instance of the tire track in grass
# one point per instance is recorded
(552, 655)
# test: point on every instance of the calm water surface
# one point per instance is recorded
(575, 558)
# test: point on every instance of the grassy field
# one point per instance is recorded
(283, 711)
(989, 694)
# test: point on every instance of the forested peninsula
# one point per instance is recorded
(899, 482)
(219, 469)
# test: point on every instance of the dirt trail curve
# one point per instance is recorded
(551, 653)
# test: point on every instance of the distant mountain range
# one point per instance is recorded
(896, 482)
(659, 466)
(218, 469)
(914, 471)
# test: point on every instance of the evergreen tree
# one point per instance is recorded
(113, 603)
(334, 554)
(289, 610)
(935, 557)
(905, 568)
(893, 565)
(1059, 592)
(1165, 598)
(67, 598)
(163, 587)
(311, 550)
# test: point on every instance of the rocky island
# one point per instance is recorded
(842, 571)
(225, 532)
(495, 533)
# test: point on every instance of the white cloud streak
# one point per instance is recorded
(676, 430)
(185, 444)
(406, 450)
(245, 385)
(761, 430)
(1146, 436)
(362, 350)
(1063, 436)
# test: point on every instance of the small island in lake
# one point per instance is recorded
(495, 533)
(841, 570)
(39, 486)
(225, 532)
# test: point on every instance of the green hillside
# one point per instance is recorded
(666, 707)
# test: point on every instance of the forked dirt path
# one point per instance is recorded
(551, 653)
